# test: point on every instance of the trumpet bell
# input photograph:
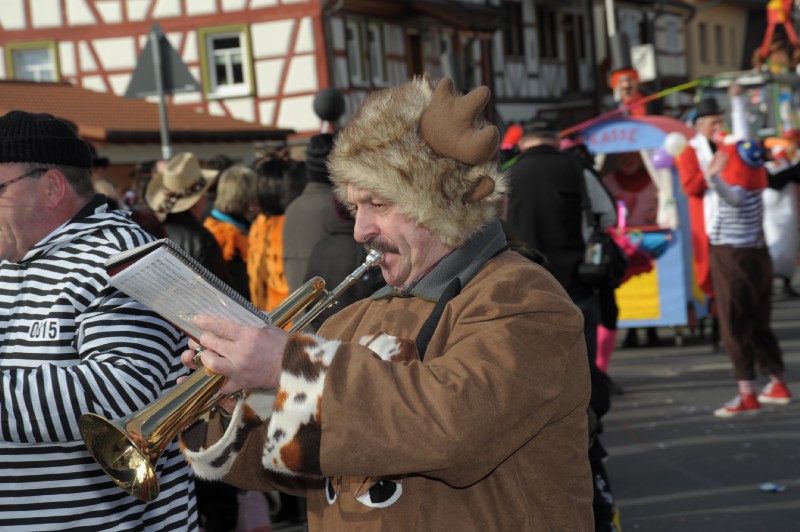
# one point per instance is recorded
(114, 450)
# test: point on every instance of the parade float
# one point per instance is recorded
(667, 295)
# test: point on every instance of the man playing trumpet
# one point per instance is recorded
(455, 397)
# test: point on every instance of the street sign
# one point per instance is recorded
(643, 57)
(175, 75)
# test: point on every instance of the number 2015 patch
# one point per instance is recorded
(44, 330)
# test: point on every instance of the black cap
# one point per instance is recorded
(319, 146)
(707, 107)
(540, 127)
(41, 138)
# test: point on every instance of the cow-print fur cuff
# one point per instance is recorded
(294, 431)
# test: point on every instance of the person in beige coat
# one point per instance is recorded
(453, 398)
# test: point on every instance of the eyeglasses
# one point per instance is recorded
(23, 176)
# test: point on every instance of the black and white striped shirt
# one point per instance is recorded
(738, 220)
(70, 344)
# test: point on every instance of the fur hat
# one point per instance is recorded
(424, 148)
(179, 186)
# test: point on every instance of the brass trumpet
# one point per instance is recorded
(128, 448)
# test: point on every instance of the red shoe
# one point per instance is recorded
(775, 393)
(741, 404)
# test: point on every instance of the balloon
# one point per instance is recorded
(662, 159)
(675, 143)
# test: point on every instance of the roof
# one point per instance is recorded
(105, 117)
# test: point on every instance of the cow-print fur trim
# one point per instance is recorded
(294, 412)
(294, 431)
(214, 462)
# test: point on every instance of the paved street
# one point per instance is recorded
(674, 466)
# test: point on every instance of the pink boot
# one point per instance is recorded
(606, 338)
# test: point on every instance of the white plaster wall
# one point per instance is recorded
(216, 109)
(190, 49)
(116, 53)
(87, 63)
(271, 39)
(47, 14)
(201, 7)
(78, 13)
(183, 98)
(262, 3)
(233, 5)
(110, 11)
(302, 75)
(267, 112)
(12, 16)
(66, 58)
(119, 83)
(298, 114)
(94, 83)
(241, 108)
(305, 37)
(268, 76)
(2, 63)
(167, 8)
(137, 9)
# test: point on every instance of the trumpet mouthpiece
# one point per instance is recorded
(374, 258)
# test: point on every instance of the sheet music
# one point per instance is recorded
(164, 283)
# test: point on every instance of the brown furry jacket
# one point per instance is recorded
(488, 433)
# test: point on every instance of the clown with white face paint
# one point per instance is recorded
(454, 397)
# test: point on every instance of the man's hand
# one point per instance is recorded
(717, 163)
(248, 357)
(734, 89)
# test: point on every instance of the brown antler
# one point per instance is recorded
(448, 125)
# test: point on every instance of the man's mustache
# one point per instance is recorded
(378, 245)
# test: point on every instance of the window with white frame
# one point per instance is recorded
(547, 31)
(672, 28)
(719, 45)
(630, 23)
(702, 31)
(34, 63)
(355, 56)
(377, 54)
(226, 62)
(513, 37)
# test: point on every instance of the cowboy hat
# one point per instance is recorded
(178, 186)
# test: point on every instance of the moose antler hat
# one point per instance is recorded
(426, 149)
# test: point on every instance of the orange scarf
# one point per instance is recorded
(268, 286)
(229, 237)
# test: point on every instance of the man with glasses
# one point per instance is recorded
(70, 343)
